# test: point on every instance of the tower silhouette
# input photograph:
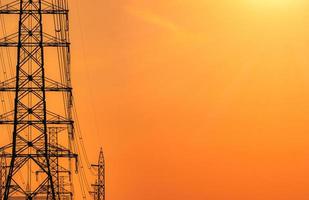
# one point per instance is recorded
(98, 192)
(39, 163)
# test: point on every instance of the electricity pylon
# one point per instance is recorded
(36, 154)
(98, 192)
(3, 167)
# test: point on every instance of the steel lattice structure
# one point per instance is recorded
(35, 152)
(3, 174)
(98, 192)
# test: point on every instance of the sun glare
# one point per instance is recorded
(273, 3)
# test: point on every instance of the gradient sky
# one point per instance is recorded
(202, 99)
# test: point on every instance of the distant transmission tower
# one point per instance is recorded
(38, 162)
(98, 192)
(3, 170)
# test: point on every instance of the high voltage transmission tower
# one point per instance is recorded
(37, 164)
(34, 153)
(98, 192)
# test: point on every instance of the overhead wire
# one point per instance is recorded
(62, 33)
(90, 92)
(81, 140)
(81, 146)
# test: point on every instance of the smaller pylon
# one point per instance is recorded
(3, 173)
(98, 192)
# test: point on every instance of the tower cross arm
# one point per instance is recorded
(47, 8)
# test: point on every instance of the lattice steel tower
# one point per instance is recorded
(98, 192)
(41, 117)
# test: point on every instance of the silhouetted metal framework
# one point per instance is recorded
(35, 150)
(98, 192)
(3, 173)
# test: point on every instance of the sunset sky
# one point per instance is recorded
(195, 99)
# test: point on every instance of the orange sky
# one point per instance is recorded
(195, 99)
